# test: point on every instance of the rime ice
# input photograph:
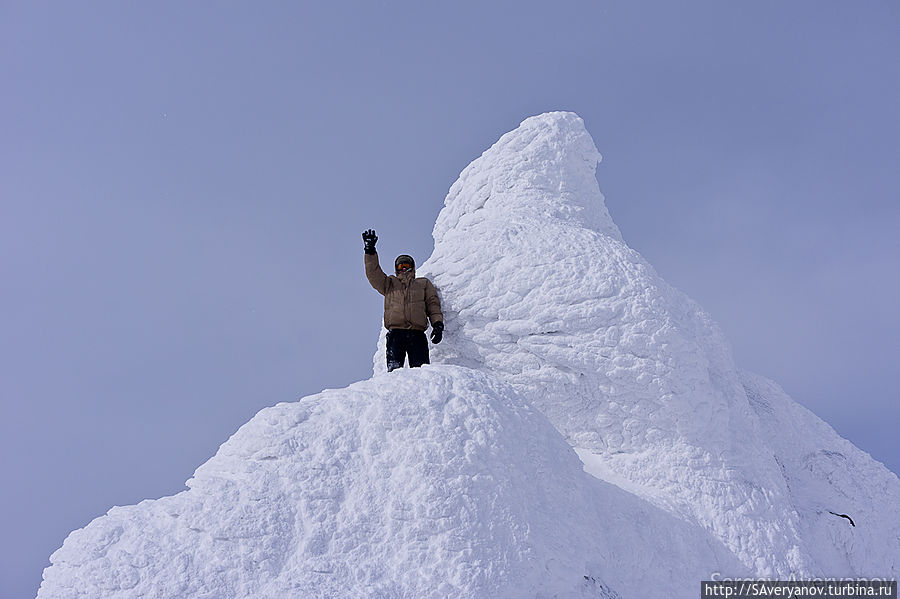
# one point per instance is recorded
(463, 478)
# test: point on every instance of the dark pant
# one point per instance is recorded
(403, 342)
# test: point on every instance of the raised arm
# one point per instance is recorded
(376, 276)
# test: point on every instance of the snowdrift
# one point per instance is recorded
(463, 478)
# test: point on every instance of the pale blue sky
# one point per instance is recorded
(183, 187)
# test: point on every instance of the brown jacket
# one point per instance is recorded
(407, 300)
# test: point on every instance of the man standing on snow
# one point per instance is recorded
(409, 303)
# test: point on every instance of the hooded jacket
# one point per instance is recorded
(409, 302)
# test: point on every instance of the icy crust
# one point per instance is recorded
(538, 288)
(831, 482)
(435, 482)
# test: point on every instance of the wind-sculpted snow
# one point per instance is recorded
(539, 288)
(462, 479)
(544, 168)
(438, 482)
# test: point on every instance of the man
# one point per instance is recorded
(409, 303)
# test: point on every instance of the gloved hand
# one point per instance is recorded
(369, 238)
(437, 332)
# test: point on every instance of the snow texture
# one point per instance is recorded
(434, 482)
(459, 479)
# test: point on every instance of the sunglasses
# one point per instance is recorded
(404, 266)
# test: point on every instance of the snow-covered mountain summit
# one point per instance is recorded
(541, 290)
(459, 479)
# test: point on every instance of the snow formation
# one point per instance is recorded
(541, 290)
(463, 478)
(435, 482)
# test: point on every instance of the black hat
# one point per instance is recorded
(404, 258)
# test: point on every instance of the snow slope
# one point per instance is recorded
(436, 482)
(827, 478)
(463, 478)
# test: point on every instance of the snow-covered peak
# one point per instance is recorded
(543, 170)
(459, 479)
(539, 288)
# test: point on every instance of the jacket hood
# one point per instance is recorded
(405, 258)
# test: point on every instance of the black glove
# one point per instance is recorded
(437, 332)
(369, 238)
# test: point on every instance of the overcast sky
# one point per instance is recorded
(183, 187)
